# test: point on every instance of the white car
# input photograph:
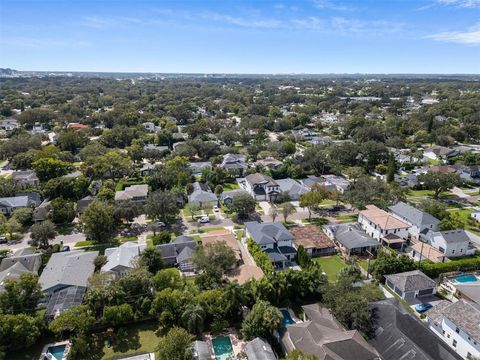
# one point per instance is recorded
(216, 209)
(203, 220)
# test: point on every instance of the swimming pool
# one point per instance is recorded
(287, 318)
(466, 279)
(56, 351)
(222, 347)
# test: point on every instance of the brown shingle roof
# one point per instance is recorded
(223, 235)
(382, 218)
(310, 236)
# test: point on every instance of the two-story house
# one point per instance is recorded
(234, 163)
(452, 243)
(274, 239)
(261, 187)
(418, 220)
(378, 223)
(458, 325)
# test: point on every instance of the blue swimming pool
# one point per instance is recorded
(222, 347)
(56, 351)
(287, 318)
(466, 279)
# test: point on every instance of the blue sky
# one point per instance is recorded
(227, 36)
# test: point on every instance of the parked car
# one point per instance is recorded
(65, 248)
(216, 209)
(203, 220)
(3, 240)
(421, 308)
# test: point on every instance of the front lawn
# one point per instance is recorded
(230, 186)
(331, 265)
(469, 223)
(346, 218)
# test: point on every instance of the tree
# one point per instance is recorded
(7, 187)
(373, 191)
(388, 263)
(303, 258)
(218, 190)
(127, 210)
(298, 355)
(261, 320)
(287, 210)
(41, 233)
(61, 211)
(439, 182)
(116, 315)
(214, 258)
(391, 168)
(18, 331)
(451, 222)
(112, 164)
(23, 215)
(273, 212)
(20, 295)
(175, 345)
(12, 226)
(78, 320)
(163, 237)
(311, 200)
(162, 205)
(48, 168)
(99, 261)
(98, 222)
(168, 278)
(435, 208)
(193, 207)
(71, 140)
(194, 318)
(243, 205)
(151, 259)
(135, 151)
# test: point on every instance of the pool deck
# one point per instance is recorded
(237, 344)
(67, 344)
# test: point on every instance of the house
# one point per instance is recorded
(313, 240)
(407, 180)
(259, 349)
(411, 284)
(440, 153)
(274, 239)
(64, 299)
(261, 187)
(25, 178)
(457, 324)
(234, 163)
(292, 187)
(269, 162)
(201, 350)
(146, 170)
(42, 211)
(9, 124)
(38, 128)
(179, 253)
(155, 150)
(421, 251)
(417, 219)
(137, 193)
(83, 203)
(341, 184)
(352, 239)
(399, 335)
(378, 223)
(9, 204)
(312, 181)
(202, 195)
(320, 140)
(475, 215)
(196, 168)
(77, 126)
(65, 269)
(225, 236)
(228, 197)
(452, 243)
(121, 259)
(150, 127)
(320, 334)
(14, 267)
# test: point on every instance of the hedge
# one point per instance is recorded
(433, 270)
(261, 258)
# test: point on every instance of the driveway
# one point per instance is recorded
(265, 205)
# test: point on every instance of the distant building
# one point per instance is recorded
(9, 204)
(352, 239)
(13, 267)
(292, 187)
(25, 178)
(137, 193)
(261, 187)
(235, 163)
(259, 349)
(179, 253)
(452, 243)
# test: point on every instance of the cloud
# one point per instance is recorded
(331, 5)
(246, 22)
(469, 4)
(469, 37)
(101, 22)
(38, 43)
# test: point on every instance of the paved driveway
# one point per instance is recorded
(265, 205)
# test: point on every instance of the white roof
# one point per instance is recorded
(122, 255)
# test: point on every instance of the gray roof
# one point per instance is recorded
(400, 335)
(233, 193)
(201, 350)
(268, 233)
(185, 254)
(64, 299)
(453, 236)
(233, 161)
(15, 266)
(14, 201)
(413, 215)
(352, 236)
(258, 178)
(83, 203)
(41, 212)
(177, 248)
(132, 192)
(470, 290)
(411, 281)
(201, 193)
(259, 349)
(122, 257)
(463, 314)
(292, 187)
(322, 335)
(71, 268)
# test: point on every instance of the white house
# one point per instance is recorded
(475, 215)
(261, 187)
(120, 260)
(418, 220)
(452, 243)
(378, 223)
(458, 325)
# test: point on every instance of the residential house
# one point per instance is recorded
(42, 211)
(225, 236)
(269, 162)
(147, 170)
(201, 350)
(452, 243)
(320, 334)
(292, 187)
(121, 259)
(228, 197)
(179, 253)
(259, 349)
(62, 300)
(320, 140)
(137, 193)
(155, 150)
(274, 239)
(468, 173)
(341, 184)
(352, 239)
(418, 220)
(14, 267)
(197, 167)
(312, 181)
(457, 324)
(261, 187)
(25, 178)
(313, 240)
(235, 163)
(379, 223)
(38, 128)
(399, 335)
(83, 203)
(150, 127)
(202, 195)
(411, 284)
(9, 125)
(421, 251)
(9, 204)
(475, 215)
(407, 180)
(440, 153)
(77, 126)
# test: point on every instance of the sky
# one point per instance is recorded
(234, 36)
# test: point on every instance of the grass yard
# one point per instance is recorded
(468, 222)
(331, 265)
(230, 186)
(206, 229)
(346, 218)
(364, 264)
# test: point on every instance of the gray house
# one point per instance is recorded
(201, 350)
(83, 203)
(352, 239)
(227, 197)
(120, 260)
(418, 220)
(292, 187)
(179, 253)
(411, 284)
(14, 267)
(234, 163)
(25, 178)
(10, 204)
(202, 195)
(259, 349)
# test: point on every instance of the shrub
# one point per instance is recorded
(433, 270)
(162, 237)
(261, 258)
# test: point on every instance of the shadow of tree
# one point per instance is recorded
(131, 341)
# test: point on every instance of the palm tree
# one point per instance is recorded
(234, 297)
(273, 212)
(288, 209)
(194, 318)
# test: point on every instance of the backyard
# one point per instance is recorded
(331, 265)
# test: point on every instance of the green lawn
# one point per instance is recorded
(468, 222)
(206, 229)
(331, 265)
(346, 218)
(364, 264)
(230, 186)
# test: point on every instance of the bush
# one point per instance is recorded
(162, 237)
(433, 270)
(261, 258)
